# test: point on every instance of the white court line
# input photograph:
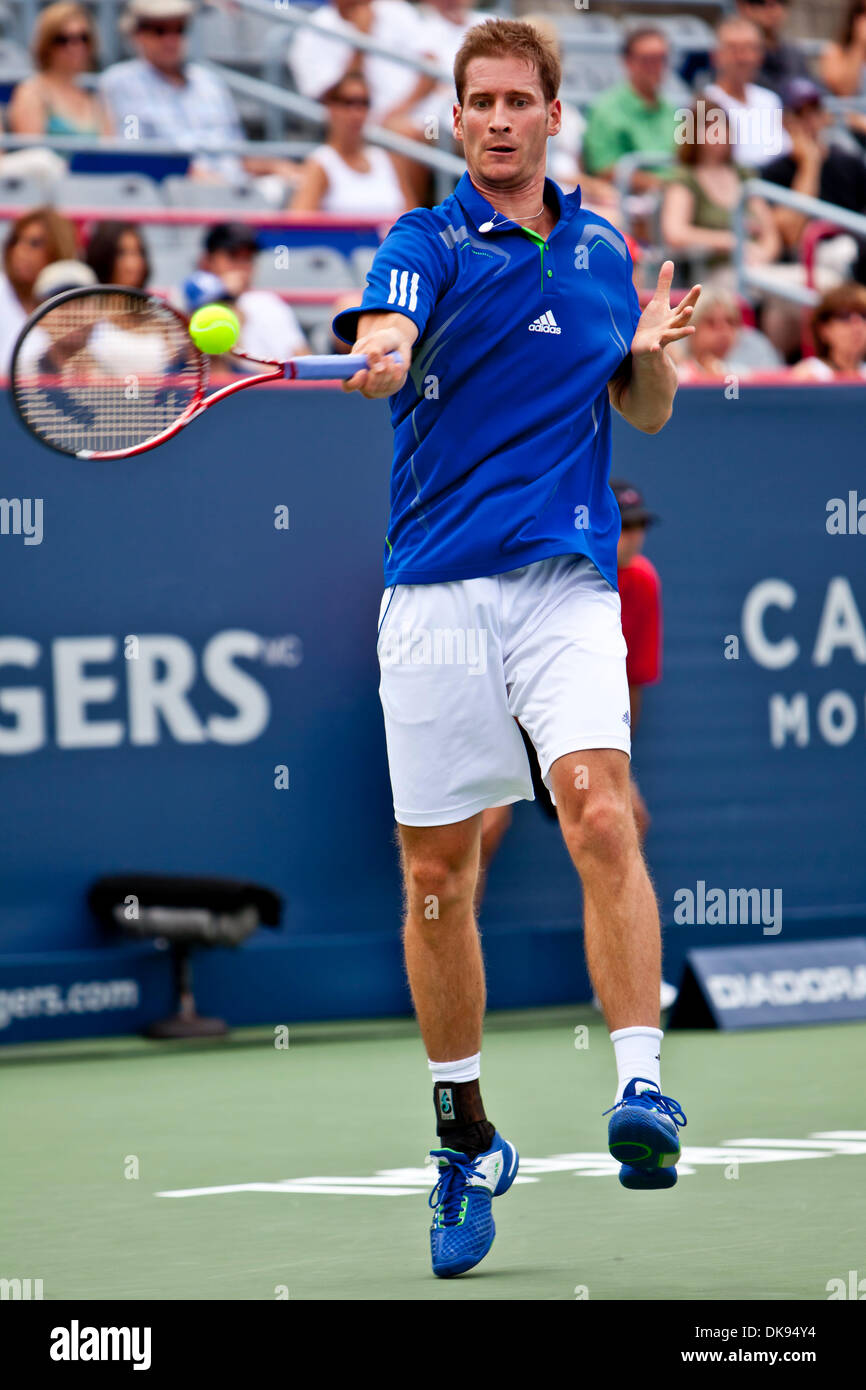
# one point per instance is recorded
(407, 1182)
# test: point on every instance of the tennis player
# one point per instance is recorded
(518, 326)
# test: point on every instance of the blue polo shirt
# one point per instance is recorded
(502, 432)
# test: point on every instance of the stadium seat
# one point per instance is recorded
(361, 259)
(676, 91)
(309, 268)
(587, 75)
(18, 191)
(186, 193)
(239, 39)
(574, 27)
(15, 65)
(174, 251)
(683, 31)
(315, 320)
(245, 42)
(120, 191)
(171, 262)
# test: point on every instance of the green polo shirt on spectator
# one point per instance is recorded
(621, 122)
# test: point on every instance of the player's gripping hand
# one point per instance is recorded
(379, 336)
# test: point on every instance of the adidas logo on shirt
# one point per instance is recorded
(546, 323)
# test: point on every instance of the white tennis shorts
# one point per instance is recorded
(460, 661)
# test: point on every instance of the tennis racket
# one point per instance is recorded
(106, 372)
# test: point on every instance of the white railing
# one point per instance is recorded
(752, 278)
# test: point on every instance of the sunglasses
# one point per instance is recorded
(63, 40)
(351, 101)
(162, 27)
(767, 4)
(848, 316)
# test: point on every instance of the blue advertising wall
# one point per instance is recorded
(751, 753)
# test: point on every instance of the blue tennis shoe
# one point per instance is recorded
(463, 1229)
(642, 1135)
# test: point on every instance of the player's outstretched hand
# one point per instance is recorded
(384, 376)
(661, 325)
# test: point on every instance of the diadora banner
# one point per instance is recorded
(189, 685)
(773, 986)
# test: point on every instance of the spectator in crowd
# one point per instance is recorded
(754, 112)
(161, 96)
(269, 329)
(35, 164)
(317, 64)
(821, 170)
(51, 102)
(782, 61)
(344, 174)
(640, 593)
(396, 90)
(839, 334)
(702, 193)
(813, 166)
(445, 23)
(633, 117)
(564, 148)
(843, 64)
(443, 26)
(721, 346)
(117, 254)
(35, 239)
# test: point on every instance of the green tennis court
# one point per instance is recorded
(321, 1146)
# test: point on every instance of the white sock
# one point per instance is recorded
(466, 1069)
(637, 1052)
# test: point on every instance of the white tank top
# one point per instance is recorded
(822, 371)
(375, 194)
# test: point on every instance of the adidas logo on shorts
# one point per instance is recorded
(546, 323)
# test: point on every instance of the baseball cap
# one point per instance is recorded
(632, 507)
(231, 236)
(800, 92)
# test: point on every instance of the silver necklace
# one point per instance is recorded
(533, 218)
(489, 226)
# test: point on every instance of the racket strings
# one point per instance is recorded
(106, 371)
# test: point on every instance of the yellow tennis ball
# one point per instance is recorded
(215, 328)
